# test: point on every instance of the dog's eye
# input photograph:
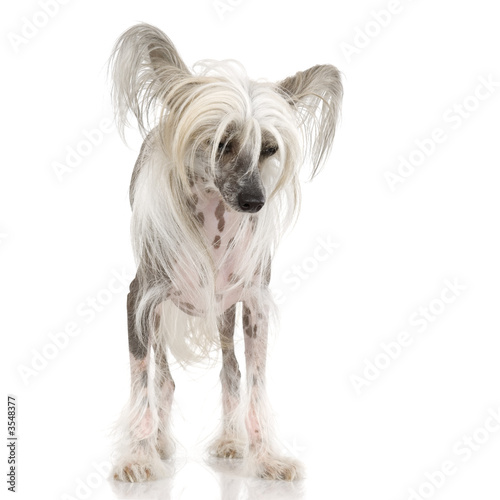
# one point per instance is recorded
(225, 147)
(269, 150)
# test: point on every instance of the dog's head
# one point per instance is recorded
(246, 138)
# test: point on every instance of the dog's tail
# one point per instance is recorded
(143, 65)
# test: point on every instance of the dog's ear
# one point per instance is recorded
(316, 95)
(162, 52)
(145, 64)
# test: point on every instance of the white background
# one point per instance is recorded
(62, 240)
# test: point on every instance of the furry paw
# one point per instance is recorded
(276, 467)
(226, 447)
(140, 470)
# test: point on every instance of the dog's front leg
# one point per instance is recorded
(164, 387)
(138, 458)
(231, 441)
(264, 458)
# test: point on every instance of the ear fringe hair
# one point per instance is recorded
(143, 65)
(316, 95)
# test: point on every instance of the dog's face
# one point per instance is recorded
(238, 170)
(244, 144)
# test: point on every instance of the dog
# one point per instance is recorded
(214, 187)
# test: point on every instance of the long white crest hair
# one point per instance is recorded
(183, 116)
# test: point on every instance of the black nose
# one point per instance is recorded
(251, 202)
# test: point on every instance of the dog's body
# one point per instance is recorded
(214, 186)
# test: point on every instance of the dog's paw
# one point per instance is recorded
(276, 467)
(226, 447)
(140, 470)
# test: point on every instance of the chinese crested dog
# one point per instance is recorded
(215, 185)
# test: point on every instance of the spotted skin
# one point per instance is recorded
(219, 215)
(249, 327)
(200, 216)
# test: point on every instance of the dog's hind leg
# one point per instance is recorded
(264, 458)
(231, 441)
(138, 458)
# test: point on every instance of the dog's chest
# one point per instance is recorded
(217, 222)
(222, 229)
(219, 225)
